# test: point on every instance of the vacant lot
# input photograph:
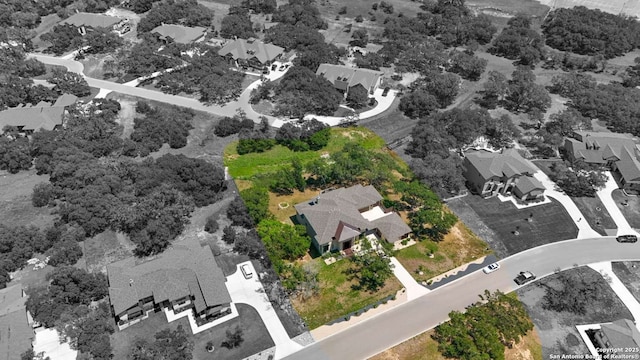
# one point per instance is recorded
(458, 247)
(549, 223)
(256, 337)
(15, 197)
(631, 210)
(336, 297)
(557, 330)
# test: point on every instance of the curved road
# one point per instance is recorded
(405, 321)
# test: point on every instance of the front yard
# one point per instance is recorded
(255, 335)
(459, 247)
(336, 298)
(631, 210)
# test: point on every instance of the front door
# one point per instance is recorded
(346, 245)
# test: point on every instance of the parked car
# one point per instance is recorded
(281, 68)
(246, 271)
(265, 71)
(524, 277)
(274, 67)
(491, 268)
(627, 239)
(386, 91)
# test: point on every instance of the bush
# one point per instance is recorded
(232, 125)
(211, 225)
(343, 10)
(359, 19)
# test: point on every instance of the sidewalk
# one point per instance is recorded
(414, 289)
(604, 268)
(605, 196)
(250, 292)
(584, 230)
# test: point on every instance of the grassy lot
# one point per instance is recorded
(392, 124)
(256, 337)
(632, 211)
(424, 347)
(459, 247)
(557, 330)
(629, 274)
(15, 195)
(336, 297)
(550, 223)
(248, 165)
(105, 248)
(595, 213)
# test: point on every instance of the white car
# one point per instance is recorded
(491, 268)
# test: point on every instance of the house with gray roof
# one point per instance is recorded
(16, 335)
(180, 34)
(251, 53)
(335, 219)
(619, 152)
(85, 21)
(28, 119)
(345, 78)
(492, 173)
(622, 335)
(183, 278)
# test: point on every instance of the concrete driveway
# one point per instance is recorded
(250, 292)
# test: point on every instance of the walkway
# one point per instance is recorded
(414, 289)
(251, 292)
(584, 230)
(605, 196)
(604, 268)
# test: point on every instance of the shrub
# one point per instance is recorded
(359, 19)
(211, 225)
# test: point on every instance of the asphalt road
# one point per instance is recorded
(401, 323)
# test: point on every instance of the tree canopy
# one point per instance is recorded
(302, 92)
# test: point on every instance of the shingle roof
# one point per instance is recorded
(527, 184)
(336, 215)
(345, 77)
(247, 49)
(180, 34)
(16, 335)
(628, 165)
(622, 334)
(508, 163)
(91, 20)
(186, 269)
(42, 116)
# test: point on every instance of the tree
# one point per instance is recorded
(357, 97)
(371, 270)
(519, 42)
(469, 67)
(494, 89)
(579, 180)
(187, 13)
(69, 82)
(301, 91)
(359, 37)
(283, 241)
(238, 213)
(15, 154)
(234, 338)
(211, 226)
(501, 132)
(168, 345)
(229, 235)
(256, 200)
(418, 104)
(260, 6)
(237, 24)
(524, 95)
(299, 13)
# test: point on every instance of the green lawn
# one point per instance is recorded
(337, 298)
(256, 336)
(248, 165)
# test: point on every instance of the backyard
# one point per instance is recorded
(336, 296)
(458, 247)
(255, 335)
(513, 230)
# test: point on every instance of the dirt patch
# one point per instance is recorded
(126, 115)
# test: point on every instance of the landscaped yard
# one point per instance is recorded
(596, 214)
(337, 298)
(631, 211)
(549, 223)
(557, 330)
(459, 247)
(256, 337)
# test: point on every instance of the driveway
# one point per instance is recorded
(414, 289)
(605, 196)
(250, 292)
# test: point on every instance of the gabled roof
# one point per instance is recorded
(16, 335)
(186, 269)
(628, 166)
(527, 184)
(508, 163)
(335, 215)
(91, 20)
(345, 77)
(180, 34)
(248, 49)
(622, 334)
(42, 116)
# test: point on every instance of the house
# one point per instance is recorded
(345, 78)
(251, 53)
(492, 173)
(621, 334)
(183, 278)
(369, 48)
(16, 335)
(180, 34)
(84, 21)
(619, 152)
(43, 115)
(337, 218)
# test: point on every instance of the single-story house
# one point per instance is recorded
(251, 53)
(43, 115)
(83, 20)
(619, 152)
(492, 173)
(345, 78)
(180, 34)
(183, 278)
(335, 219)
(16, 334)
(621, 334)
